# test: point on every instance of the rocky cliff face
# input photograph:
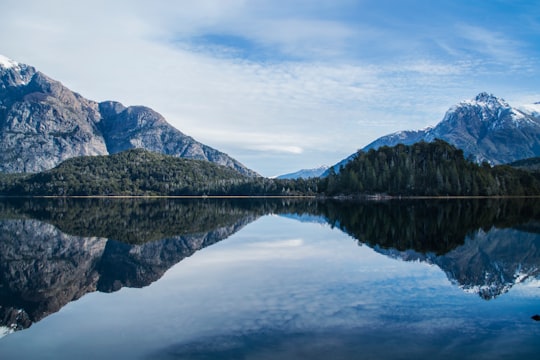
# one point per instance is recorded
(141, 127)
(43, 123)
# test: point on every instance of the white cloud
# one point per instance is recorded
(288, 243)
(290, 149)
(492, 43)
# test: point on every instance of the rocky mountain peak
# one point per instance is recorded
(486, 113)
(490, 100)
(486, 128)
(13, 74)
(486, 105)
(43, 123)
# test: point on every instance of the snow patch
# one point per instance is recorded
(5, 330)
(304, 173)
(531, 109)
(485, 100)
(426, 129)
(7, 63)
(520, 117)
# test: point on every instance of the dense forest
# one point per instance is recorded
(422, 169)
(140, 172)
(530, 164)
(427, 169)
(435, 225)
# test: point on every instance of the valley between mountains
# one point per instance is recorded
(55, 142)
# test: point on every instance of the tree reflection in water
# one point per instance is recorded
(54, 251)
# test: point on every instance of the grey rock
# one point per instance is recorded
(141, 127)
(43, 123)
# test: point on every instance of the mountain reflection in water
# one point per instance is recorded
(53, 251)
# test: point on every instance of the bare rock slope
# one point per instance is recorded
(43, 123)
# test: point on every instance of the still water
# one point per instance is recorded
(239, 279)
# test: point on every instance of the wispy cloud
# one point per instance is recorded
(487, 48)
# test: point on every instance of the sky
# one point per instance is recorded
(283, 85)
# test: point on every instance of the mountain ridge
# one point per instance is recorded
(305, 173)
(486, 128)
(477, 126)
(43, 123)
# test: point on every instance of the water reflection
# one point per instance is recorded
(484, 246)
(53, 251)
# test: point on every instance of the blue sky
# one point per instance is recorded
(283, 85)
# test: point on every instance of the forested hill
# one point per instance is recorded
(139, 172)
(531, 164)
(426, 169)
(133, 172)
(421, 169)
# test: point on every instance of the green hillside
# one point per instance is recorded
(133, 172)
(426, 169)
(139, 172)
(531, 164)
(421, 169)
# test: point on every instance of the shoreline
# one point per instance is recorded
(374, 197)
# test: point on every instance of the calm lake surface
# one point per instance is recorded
(269, 279)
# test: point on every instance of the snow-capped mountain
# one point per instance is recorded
(486, 128)
(43, 123)
(305, 173)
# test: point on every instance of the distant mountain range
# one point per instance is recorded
(486, 128)
(43, 123)
(305, 173)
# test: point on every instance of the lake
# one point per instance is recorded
(269, 279)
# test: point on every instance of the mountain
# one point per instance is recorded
(486, 128)
(43, 123)
(305, 173)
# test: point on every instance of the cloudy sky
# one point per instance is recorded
(283, 85)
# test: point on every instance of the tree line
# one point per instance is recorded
(426, 169)
(139, 172)
(422, 169)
